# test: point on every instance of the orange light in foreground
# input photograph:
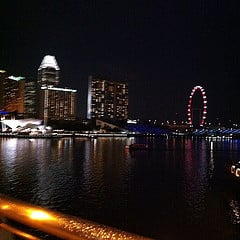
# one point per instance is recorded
(4, 206)
(39, 215)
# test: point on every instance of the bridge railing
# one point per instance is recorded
(54, 223)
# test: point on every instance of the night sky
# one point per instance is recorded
(161, 48)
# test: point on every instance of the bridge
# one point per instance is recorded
(147, 129)
(235, 132)
(186, 131)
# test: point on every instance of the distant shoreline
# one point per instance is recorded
(84, 135)
(98, 135)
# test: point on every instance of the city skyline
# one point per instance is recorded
(41, 98)
(161, 49)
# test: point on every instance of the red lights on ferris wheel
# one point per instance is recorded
(204, 112)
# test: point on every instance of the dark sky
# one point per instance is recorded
(161, 48)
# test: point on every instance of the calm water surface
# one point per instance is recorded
(180, 190)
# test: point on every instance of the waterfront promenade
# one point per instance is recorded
(138, 131)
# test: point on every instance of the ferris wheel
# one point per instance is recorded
(190, 107)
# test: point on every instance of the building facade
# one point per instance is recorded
(107, 99)
(18, 95)
(30, 98)
(55, 103)
(12, 94)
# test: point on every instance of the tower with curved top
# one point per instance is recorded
(54, 102)
(48, 72)
(195, 108)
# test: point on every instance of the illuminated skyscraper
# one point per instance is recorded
(107, 99)
(18, 95)
(13, 94)
(48, 72)
(30, 98)
(55, 103)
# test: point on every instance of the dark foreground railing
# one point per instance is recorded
(54, 223)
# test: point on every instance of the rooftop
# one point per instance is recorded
(49, 61)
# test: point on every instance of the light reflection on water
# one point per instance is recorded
(234, 211)
(180, 189)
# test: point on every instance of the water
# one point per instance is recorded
(180, 190)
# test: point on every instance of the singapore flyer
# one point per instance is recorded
(190, 106)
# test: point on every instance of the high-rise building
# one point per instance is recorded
(55, 103)
(13, 94)
(18, 95)
(107, 99)
(48, 72)
(30, 98)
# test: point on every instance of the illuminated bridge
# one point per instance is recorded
(217, 132)
(147, 129)
(158, 131)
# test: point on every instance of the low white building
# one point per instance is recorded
(21, 124)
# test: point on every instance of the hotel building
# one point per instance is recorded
(107, 99)
(57, 103)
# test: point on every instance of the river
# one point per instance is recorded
(181, 189)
